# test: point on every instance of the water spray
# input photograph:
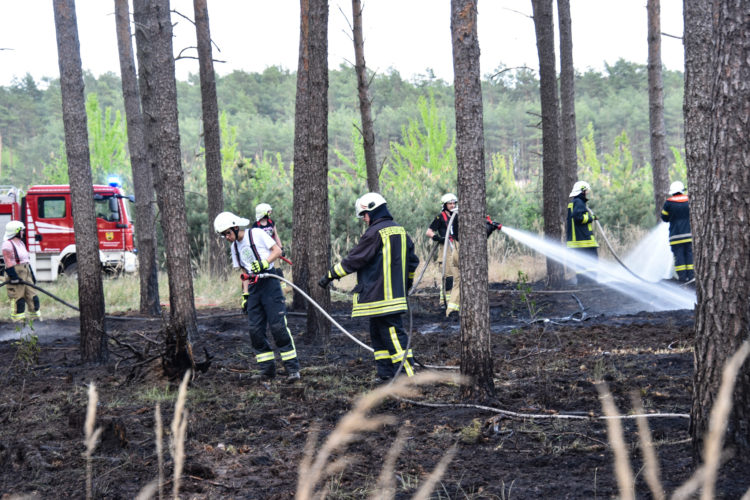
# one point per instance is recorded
(660, 296)
(612, 250)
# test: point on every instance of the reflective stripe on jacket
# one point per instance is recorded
(676, 211)
(578, 230)
(384, 260)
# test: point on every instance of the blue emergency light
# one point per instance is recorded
(114, 181)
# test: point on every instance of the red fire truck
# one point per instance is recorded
(50, 237)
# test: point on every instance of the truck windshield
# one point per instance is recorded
(107, 209)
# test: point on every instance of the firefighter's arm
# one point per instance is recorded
(278, 240)
(581, 214)
(664, 213)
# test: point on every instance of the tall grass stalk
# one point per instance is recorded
(179, 431)
(718, 421)
(650, 460)
(91, 436)
(159, 429)
(424, 491)
(623, 471)
(315, 469)
(386, 487)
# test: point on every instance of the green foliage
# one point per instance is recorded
(27, 349)
(524, 289)
(623, 192)
(107, 148)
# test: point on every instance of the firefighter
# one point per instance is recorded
(254, 252)
(263, 221)
(24, 303)
(438, 232)
(579, 230)
(676, 211)
(384, 261)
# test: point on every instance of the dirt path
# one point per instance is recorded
(246, 440)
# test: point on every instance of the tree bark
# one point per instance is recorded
(90, 289)
(552, 175)
(159, 100)
(143, 179)
(311, 226)
(567, 100)
(717, 111)
(476, 348)
(211, 137)
(363, 91)
(657, 129)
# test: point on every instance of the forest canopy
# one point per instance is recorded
(414, 129)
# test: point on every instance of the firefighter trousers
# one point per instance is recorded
(389, 341)
(265, 306)
(683, 260)
(24, 302)
(451, 269)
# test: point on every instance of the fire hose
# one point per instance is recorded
(612, 251)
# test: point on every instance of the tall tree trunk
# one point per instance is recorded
(159, 100)
(717, 111)
(476, 348)
(567, 100)
(211, 137)
(90, 289)
(658, 133)
(363, 91)
(552, 175)
(143, 179)
(311, 226)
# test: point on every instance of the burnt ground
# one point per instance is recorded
(246, 439)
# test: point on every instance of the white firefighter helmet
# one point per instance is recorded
(579, 187)
(13, 229)
(368, 202)
(676, 187)
(262, 210)
(226, 220)
(448, 198)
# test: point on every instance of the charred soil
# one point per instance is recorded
(246, 439)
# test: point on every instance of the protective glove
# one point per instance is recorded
(13, 275)
(283, 252)
(324, 281)
(244, 302)
(259, 266)
(438, 238)
(594, 217)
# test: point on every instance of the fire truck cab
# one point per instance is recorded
(50, 237)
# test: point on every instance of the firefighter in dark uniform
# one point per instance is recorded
(676, 211)
(579, 231)
(385, 262)
(254, 252)
(438, 232)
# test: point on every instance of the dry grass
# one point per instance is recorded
(316, 468)
(704, 478)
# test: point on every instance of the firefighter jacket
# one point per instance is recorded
(385, 262)
(579, 231)
(677, 212)
(440, 225)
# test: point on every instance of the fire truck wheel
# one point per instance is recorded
(71, 270)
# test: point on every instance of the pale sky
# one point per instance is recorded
(407, 35)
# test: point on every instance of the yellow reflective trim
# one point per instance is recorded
(679, 242)
(264, 356)
(583, 243)
(287, 355)
(339, 270)
(665, 212)
(689, 267)
(454, 307)
(585, 219)
(377, 308)
(381, 355)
